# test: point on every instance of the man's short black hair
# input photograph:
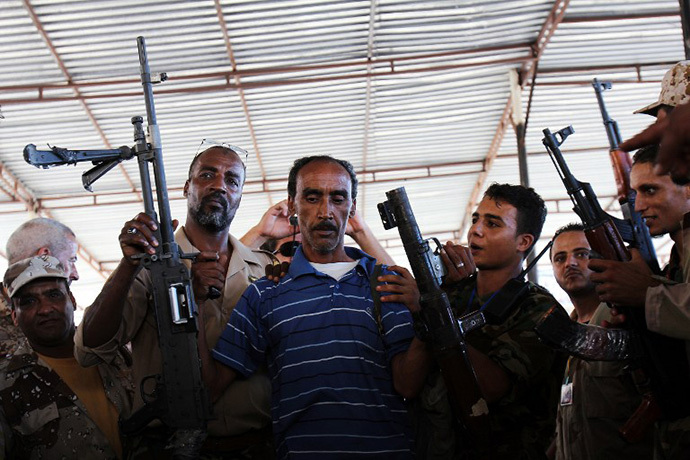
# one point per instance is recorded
(302, 162)
(646, 154)
(531, 210)
(224, 149)
(571, 227)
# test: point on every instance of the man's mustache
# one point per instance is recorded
(218, 196)
(573, 270)
(325, 226)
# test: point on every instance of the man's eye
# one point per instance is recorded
(559, 259)
(582, 255)
(474, 220)
(492, 224)
(205, 175)
(27, 301)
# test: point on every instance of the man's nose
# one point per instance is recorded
(74, 274)
(325, 209)
(44, 306)
(219, 184)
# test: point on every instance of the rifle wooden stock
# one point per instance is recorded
(621, 164)
(605, 240)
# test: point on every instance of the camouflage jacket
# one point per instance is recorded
(10, 335)
(523, 421)
(46, 418)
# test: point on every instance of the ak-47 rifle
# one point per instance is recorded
(179, 400)
(659, 363)
(622, 164)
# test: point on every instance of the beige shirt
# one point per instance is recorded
(603, 398)
(245, 404)
(667, 306)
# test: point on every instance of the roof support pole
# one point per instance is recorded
(685, 22)
(520, 126)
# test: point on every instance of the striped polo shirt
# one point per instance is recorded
(333, 393)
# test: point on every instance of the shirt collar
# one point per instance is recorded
(300, 265)
(241, 254)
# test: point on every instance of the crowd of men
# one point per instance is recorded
(322, 358)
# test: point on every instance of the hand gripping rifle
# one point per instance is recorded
(658, 363)
(447, 341)
(180, 399)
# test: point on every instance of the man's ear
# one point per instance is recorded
(524, 241)
(43, 251)
(353, 209)
(71, 297)
(291, 206)
(14, 316)
(186, 187)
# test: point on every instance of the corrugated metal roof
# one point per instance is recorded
(411, 92)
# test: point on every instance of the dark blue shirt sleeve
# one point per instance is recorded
(242, 345)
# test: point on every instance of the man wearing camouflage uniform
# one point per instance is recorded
(51, 406)
(518, 376)
(35, 237)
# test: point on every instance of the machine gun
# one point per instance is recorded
(179, 400)
(622, 164)
(659, 363)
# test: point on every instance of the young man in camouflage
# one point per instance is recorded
(518, 376)
(51, 406)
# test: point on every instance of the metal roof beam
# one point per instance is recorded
(51, 47)
(240, 90)
(528, 70)
(366, 176)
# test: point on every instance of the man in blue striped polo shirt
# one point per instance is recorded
(338, 382)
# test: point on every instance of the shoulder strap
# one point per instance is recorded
(376, 296)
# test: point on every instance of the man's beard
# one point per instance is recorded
(215, 220)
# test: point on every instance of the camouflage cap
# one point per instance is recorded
(675, 89)
(25, 271)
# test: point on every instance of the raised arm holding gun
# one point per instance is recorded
(662, 361)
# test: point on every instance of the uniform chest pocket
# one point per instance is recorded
(609, 391)
(36, 419)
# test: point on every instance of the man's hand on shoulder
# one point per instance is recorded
(276, 272)
(401, 288)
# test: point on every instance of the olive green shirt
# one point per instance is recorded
(522, 421)
(603, 399)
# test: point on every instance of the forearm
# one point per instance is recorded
(493, 380)
(102, 319)
(368, 243)
(216, 376)
(411, 368)
(253, 238)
